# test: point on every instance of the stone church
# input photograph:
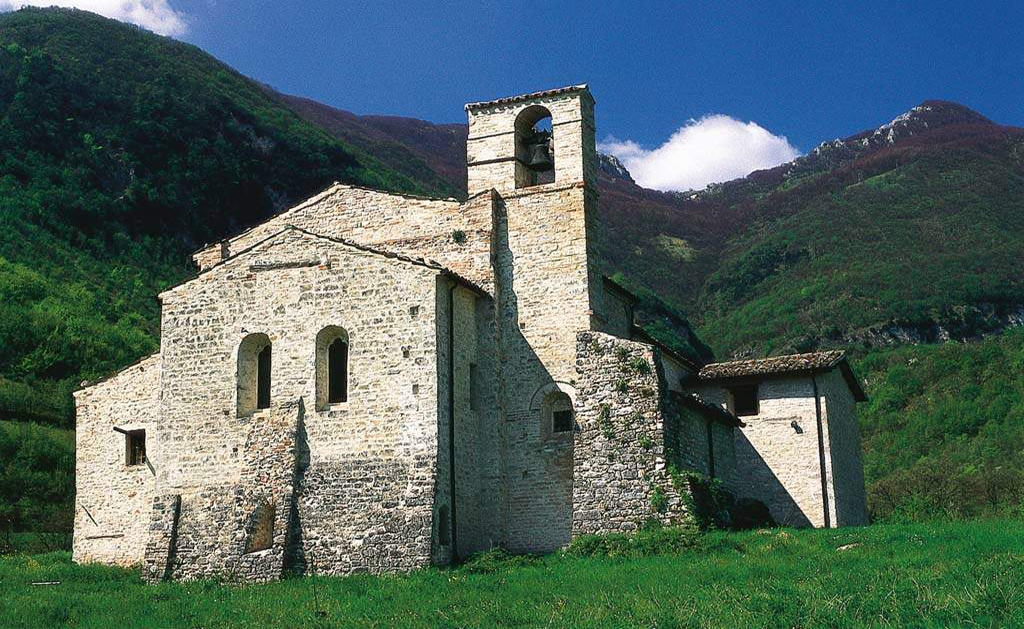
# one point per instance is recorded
(372, 381)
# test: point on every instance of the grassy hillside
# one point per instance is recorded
(120, 153)
(892, 576)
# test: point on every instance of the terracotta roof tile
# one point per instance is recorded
(782, 365)
(773, 365)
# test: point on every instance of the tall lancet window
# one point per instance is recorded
(337, 371)
(332, 366)
(254, 369)
(263, 378)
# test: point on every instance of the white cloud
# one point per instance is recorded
(156, 15)
(713, 149)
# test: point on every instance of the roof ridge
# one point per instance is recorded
(838, 353)
(318, 197)
(418, 261)
(582, 87)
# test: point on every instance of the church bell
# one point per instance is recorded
(539, 152)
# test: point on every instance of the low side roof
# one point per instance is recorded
(792, 364)
(88, 384)
(639, 334)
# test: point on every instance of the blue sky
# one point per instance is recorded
(806, 71)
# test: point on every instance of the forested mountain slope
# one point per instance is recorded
(120, 153)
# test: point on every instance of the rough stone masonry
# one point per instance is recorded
(379, 382)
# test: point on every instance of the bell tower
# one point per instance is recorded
(537, 153)
(533, 139)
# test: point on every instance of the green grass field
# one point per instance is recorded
(939, 575)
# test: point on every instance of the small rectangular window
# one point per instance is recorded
(561, 421)
(135, 447)
(744, 400)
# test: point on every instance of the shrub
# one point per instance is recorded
(496, 560)
(654, 540)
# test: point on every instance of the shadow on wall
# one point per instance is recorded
(759, 482)
(538, 515)
(296, 561)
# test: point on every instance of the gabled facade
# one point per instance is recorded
(373, 381)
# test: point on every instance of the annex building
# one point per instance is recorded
(375, 382)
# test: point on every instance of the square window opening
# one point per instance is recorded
(744, 400)
(561, 421)
(135, 447)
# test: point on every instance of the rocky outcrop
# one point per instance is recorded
(611, 166)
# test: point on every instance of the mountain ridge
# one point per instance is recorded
(698, 230)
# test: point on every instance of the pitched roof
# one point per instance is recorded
(318, 197)
(417, 261)
(582, 87)
(784, 365)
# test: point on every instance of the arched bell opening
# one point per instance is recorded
(535, 148)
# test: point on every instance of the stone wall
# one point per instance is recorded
(113, 499)
(688, 447)
(238, 531)
(844, 449)
(457, 235)
(542, 296)
(367, 484)
(777, 463)
(619, 457)
(777, 453)
(478, 485)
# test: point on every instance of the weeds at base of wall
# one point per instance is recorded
(496, 560)
(705, 499)
(651, 540)
(659, 501)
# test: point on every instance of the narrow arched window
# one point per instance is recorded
(332, 366)
(337, 371)
(263, 378)
(254, 374)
